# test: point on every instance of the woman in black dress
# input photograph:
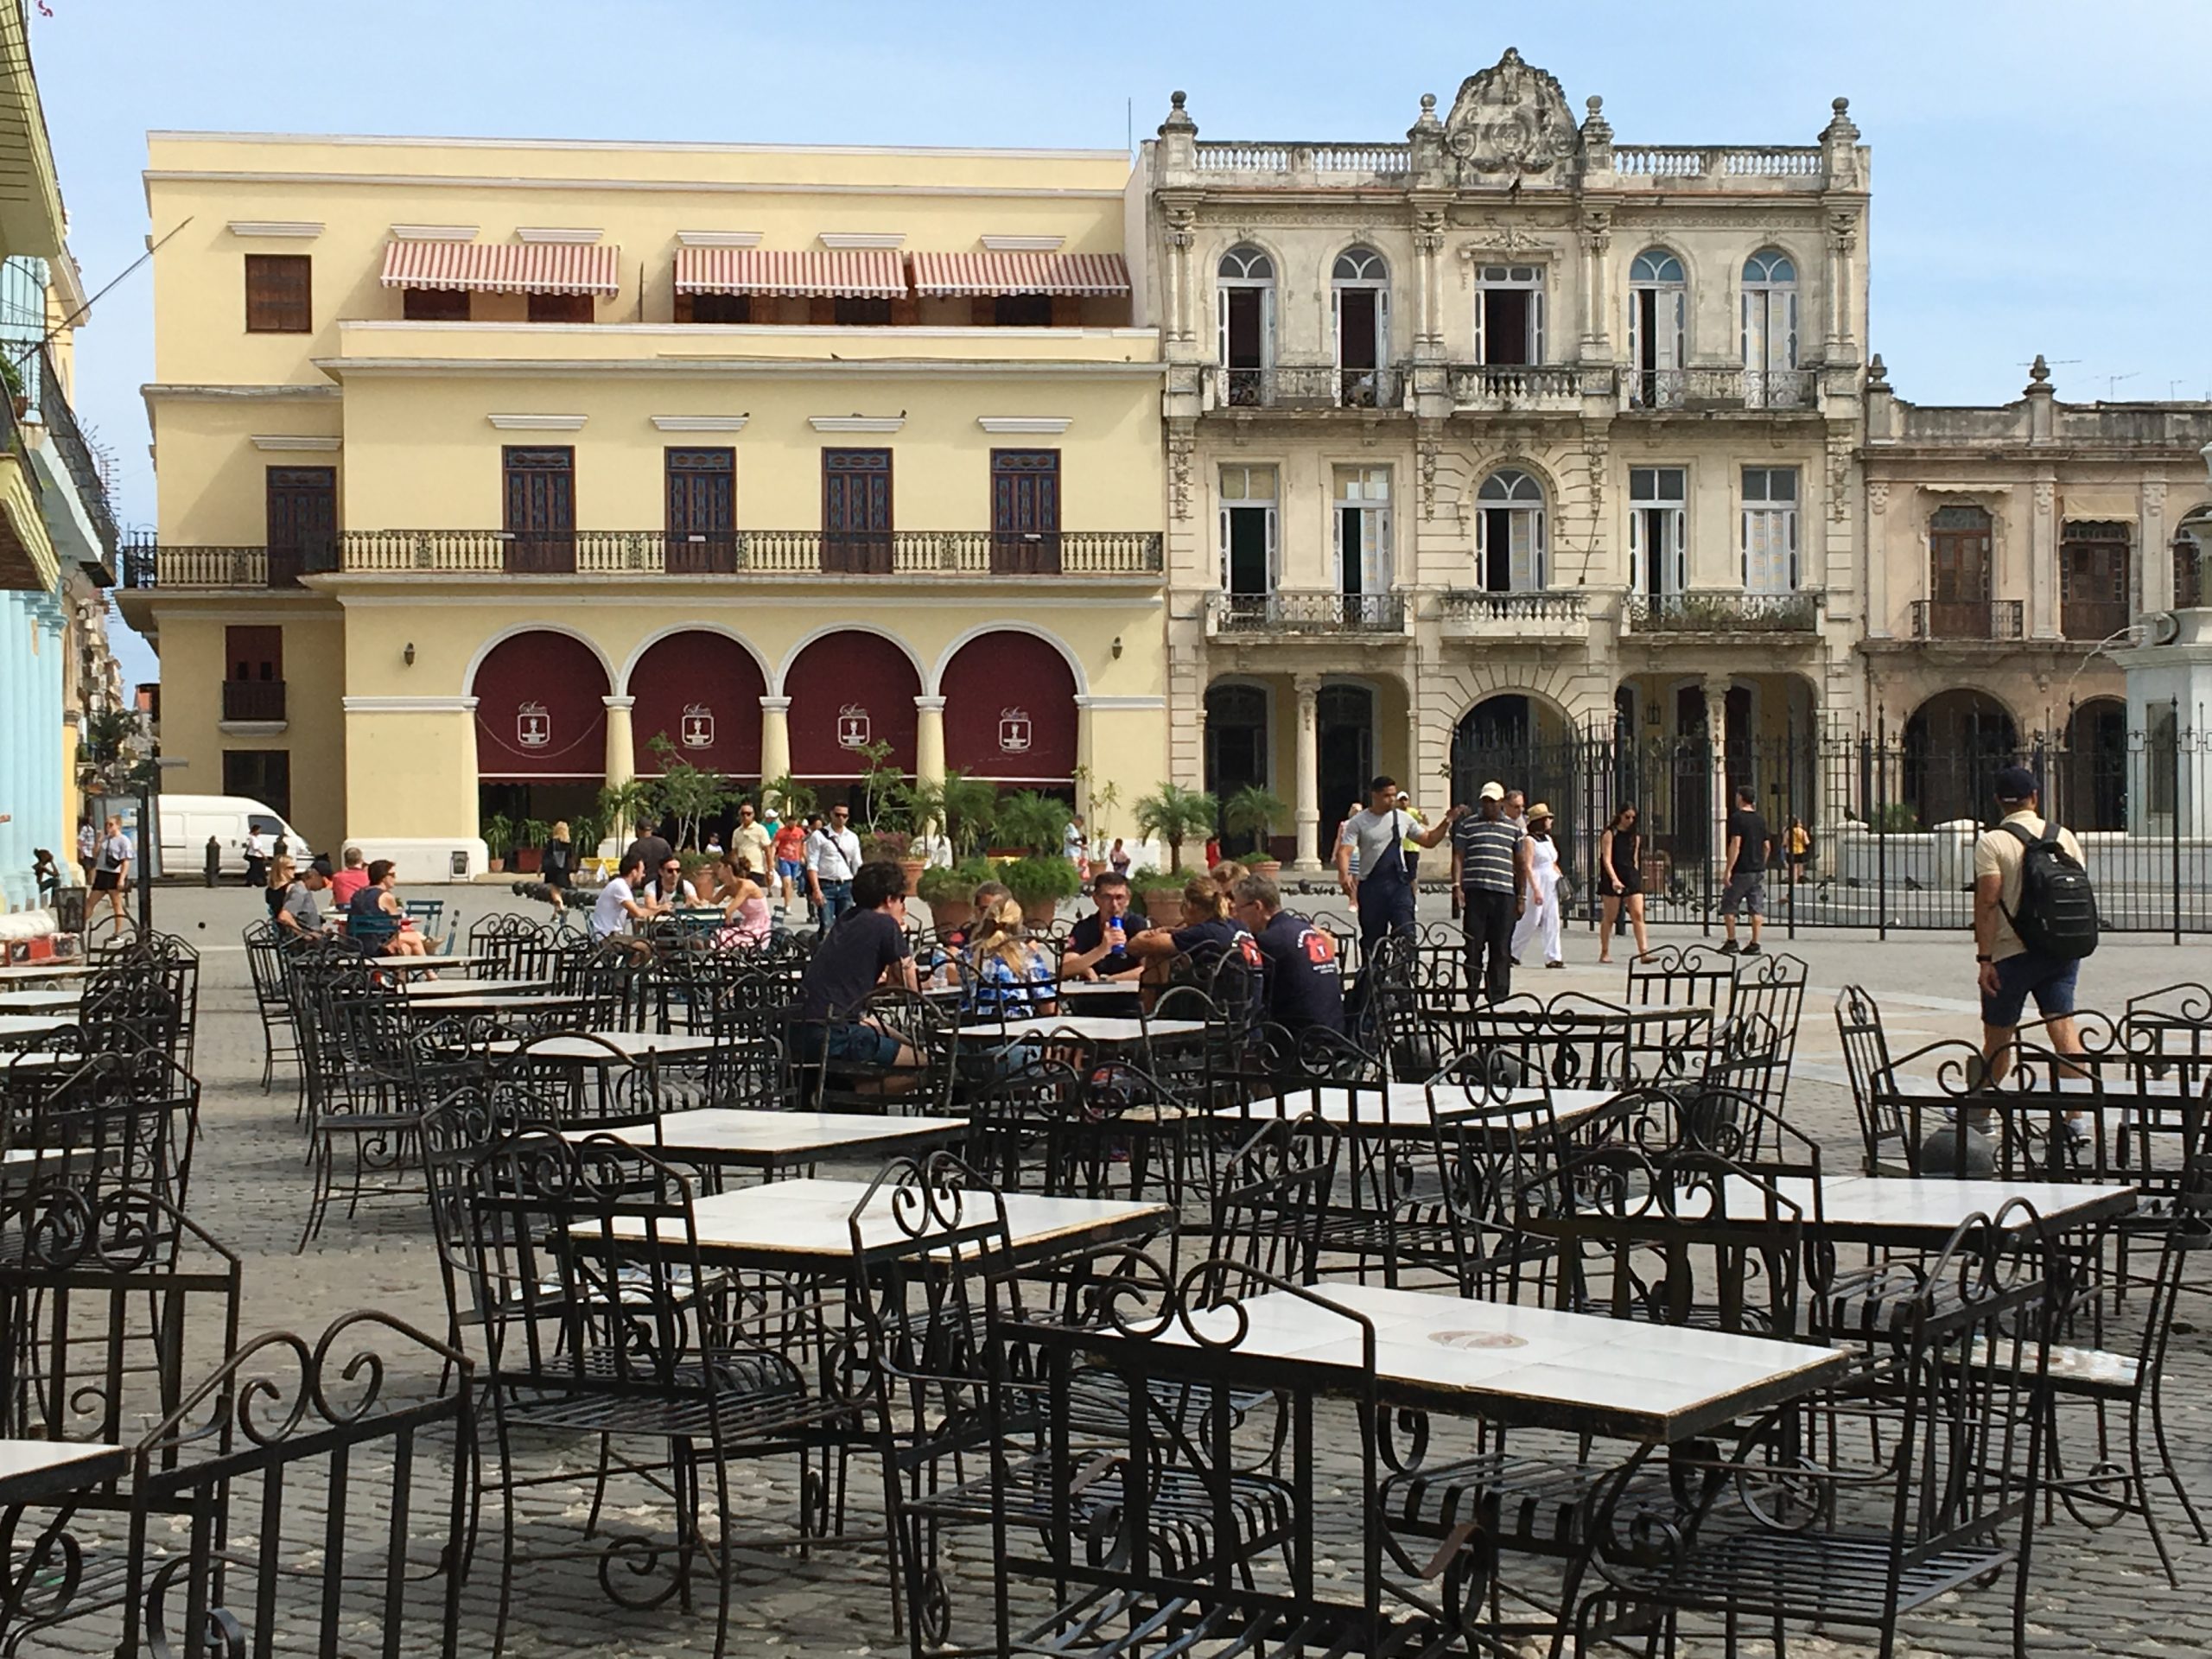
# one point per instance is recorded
(558, 866)
(1620, 880)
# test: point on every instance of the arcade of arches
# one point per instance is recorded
(550, 731)
(1311, 740)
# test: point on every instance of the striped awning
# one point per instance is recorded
(1102, 274)
(503, 267)
(848, 273)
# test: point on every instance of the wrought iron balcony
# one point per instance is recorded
(1477, 612)
(1304, 385)
(1309, 613)
(2091, 619)
(76, 455)
(1996, 619)
(253, 700)
(1703, 390)
(756, 553)
(1526, 387)
(1706, 614)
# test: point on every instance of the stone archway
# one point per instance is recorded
(1954, 744)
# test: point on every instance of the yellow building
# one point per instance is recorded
(485, 467)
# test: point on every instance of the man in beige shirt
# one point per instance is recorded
(2007, 971)
(752, 842)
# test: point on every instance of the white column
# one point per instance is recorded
(1716, 733)
(929, 740)
(2042, 563)
(621, 750)
(775, 738)
(1306, 804)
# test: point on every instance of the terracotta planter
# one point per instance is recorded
(913, 869)
(1270, 868)
(953, 913)
(1163, 907)
(528, 860)
(1040, 912)
(499, 866)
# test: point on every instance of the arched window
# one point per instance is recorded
(1510, 545)
(1246, 299)
(1360, 295)
(1658, 323)
(1771, 377)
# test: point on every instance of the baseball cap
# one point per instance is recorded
(2015, 784)
(1492, 791)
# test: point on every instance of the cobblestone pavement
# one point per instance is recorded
(2098, 1593)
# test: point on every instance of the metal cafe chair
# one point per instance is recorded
(1682, 975)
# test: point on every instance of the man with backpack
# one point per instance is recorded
(2035, 917)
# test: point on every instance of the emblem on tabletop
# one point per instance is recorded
(1014, 731)
(698, 726)
(533, 725)
(852, 726)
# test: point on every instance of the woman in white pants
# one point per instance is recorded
(1540, 919)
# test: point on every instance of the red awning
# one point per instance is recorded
(852, 273)
(1101, 274)
(503, 267)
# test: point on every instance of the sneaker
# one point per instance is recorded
(1751, 949)
(1728, 948)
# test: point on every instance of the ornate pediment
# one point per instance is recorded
(1509, 125)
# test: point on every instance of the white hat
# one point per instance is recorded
(1493, 791)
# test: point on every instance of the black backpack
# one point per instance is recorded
(2057, 915)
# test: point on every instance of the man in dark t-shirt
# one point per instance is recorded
(1098, 942)
(1304, 981)
(651, 846)
(867, 948)
(1743, 881)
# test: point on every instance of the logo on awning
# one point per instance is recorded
(1015, 733)
(852, 726)
(698, 726)
(533, 725)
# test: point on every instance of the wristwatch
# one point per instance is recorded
(1984, 958)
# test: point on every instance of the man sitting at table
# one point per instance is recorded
(866, 948)
(1098, 943)
(378, 897)
(668, 888)
(300, 912)
(1306, 982)
(620, 908)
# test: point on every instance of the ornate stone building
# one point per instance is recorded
(1497, 432)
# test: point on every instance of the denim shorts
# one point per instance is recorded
(792, 869)
(2048, 979)
(854, 1044)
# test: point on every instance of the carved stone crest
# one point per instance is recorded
(1509, 125)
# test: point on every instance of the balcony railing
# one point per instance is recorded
(1711, 388)
(1716, 161)
(1966, 619)
(1726, 613)
(76, 455)
(1381, 160)
(1309, 613)
(253, 699)
(1480, 605)
(2093, 618)
(1305, 386)
(1516, 386)
(918, 553)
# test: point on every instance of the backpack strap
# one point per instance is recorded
(2049, 838)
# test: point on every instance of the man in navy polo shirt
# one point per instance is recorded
(1306, 982)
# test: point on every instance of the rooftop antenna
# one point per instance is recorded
(2112, 382)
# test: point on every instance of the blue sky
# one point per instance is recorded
(2043, 178)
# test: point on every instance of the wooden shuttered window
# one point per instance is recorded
(279, 294)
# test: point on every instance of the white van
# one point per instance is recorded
(187, 821)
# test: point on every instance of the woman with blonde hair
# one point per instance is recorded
(1207, 935)
(559, 865)
(1009, 977)
(1226, 874)
(281, 872)
(745, 907)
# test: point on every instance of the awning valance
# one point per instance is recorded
(2100, 506)
(503, 267)
(1096, 274)
(847, 273)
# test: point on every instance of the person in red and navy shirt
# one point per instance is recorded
(1304, 981)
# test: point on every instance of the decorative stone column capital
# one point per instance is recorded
(775, 705)
(929, 705)
(622, 705)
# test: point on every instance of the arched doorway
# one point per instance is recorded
(849, 691)
(2091, 772)
(1009, 712)
(1520, 743)
(1239, 730)
(1343, 721)
(1954, 744)
(541, 728)
(701, 692)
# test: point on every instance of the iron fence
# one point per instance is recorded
(1890, 820)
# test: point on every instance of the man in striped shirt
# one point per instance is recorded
(1489, 882)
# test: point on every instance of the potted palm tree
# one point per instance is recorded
(1173, 815)
(498, 832)
(1252, 811)
(530, 836)
(1035, 826)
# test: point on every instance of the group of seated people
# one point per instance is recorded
(649, 882)
(1233, 938)
(362, 902)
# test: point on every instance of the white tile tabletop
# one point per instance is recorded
(423, 990)
(424, 964)
(1518, 1365)
(763, 1139)
(34, 1024)
(1897, 1210)
(53, 1001)
(474, 1003)
(1096, 1028)
(804, 1224)
(608, 1048)
(32, 1471)
(1407, 1108)
(32, 973)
